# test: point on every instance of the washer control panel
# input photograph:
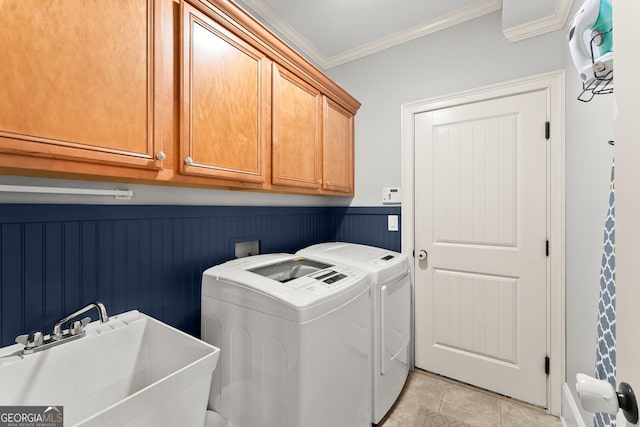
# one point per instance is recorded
(328, 280)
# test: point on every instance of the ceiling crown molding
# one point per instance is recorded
(283, 27)
(540, 26)
(468, 13)
(480, 8)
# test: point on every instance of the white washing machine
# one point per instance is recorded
(391, 308)
(295, 340)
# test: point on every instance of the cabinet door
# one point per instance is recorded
(78, 80)
(225, 111)
(337, 148)
(297, 140)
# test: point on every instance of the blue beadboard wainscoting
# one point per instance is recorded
(56, 258)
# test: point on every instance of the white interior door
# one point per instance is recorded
(481, 216)
(627, 154)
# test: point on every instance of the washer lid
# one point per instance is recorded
(289, 286)
(383, 264)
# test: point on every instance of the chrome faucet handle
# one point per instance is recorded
(78, 326)
(34, 339)
(22, 339)
(31, 340)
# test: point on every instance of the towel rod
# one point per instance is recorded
(118, 194)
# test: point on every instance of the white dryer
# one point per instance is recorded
(295, 340)
(391, 308)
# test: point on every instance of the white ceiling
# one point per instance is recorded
(333, 32)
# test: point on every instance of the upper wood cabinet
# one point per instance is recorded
(296, 132)
(78, 81)
(176, 92)
(312, 137)
(337, 148)
(225, 102)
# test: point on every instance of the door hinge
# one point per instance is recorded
(547, 362)
(547, 247)
(547, 130)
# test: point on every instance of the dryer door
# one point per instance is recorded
(395, 325)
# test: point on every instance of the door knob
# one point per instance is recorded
(422, 255)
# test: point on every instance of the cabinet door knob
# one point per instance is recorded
(319, 181)
(160, 155)
(188, 161)
(328, 182)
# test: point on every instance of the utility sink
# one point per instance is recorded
(131, 371)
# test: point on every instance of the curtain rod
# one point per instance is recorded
(118, 194)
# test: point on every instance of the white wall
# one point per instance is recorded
(474, 54)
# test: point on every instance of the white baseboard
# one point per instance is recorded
(571, 416)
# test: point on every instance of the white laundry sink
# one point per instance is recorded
(131, 371)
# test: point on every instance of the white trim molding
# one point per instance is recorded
(540, 26)
(571, 416)
(475, 10)
(553, 84)
(272, 18)
(459, 16)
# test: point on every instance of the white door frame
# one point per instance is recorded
(553, 84)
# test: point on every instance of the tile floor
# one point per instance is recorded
(429, 401)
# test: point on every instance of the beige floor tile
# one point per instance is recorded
(405, 411)
(472, 401)
(390, 422)
(430, 401)
(517, 414)
(459, 405)
(412, 398)
(428, 418)
(468, 416)
(428, 385)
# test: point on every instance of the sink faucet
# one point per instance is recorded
(36, 341)
(57, 327)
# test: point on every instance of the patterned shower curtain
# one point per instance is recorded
(606, 351)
